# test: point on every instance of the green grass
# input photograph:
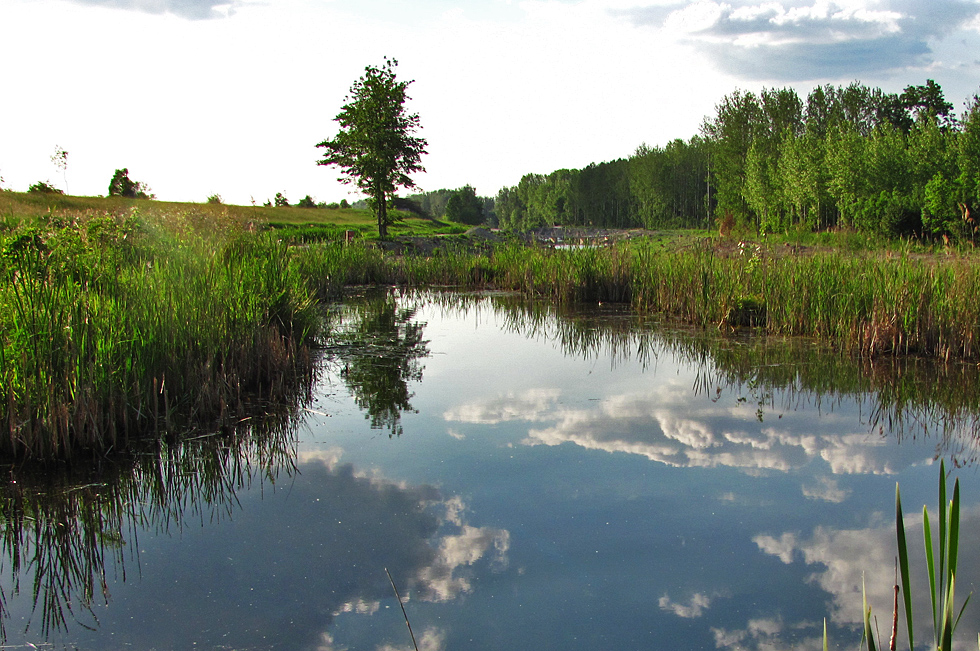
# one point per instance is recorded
(295, 223)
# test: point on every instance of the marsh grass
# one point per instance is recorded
(870, 305)
(112, 331)
(123, 318)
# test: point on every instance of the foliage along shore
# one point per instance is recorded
(117, 325)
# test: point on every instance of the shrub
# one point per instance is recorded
(43, 187)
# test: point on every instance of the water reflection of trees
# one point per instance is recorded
(377, 347)
(62, 529)
(906, 397)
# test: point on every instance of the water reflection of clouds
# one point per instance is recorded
(290, 561)
(695, 608)
(768, 634)
(531, 406)
(666, 425)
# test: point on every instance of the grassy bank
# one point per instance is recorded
(114, 329)
(140, 319)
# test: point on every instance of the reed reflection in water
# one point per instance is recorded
(69, 532)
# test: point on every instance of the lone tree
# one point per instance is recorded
(122, 186)
(376, 147)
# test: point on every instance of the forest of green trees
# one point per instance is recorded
(854, 156)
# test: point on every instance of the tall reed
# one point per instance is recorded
(941, 574)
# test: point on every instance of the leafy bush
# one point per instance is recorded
(43, 187)
(889, 213)
(215, 198)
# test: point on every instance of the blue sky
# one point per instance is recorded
(197, 97)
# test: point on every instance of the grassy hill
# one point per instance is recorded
(302, 224)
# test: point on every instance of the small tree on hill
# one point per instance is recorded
(376, 148)
(122, 186)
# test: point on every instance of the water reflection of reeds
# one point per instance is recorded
(65, 529)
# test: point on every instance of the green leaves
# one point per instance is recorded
(376, 148)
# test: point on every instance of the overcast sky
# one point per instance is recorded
(197, 97)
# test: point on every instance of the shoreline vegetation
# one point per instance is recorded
(123, 320)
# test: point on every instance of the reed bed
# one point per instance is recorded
(112, 332)
(866, 304)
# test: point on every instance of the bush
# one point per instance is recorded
(215, 198)
(281, 200)
(892, 214)
(43, 187)
(307, 202)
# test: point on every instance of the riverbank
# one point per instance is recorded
(119, 326)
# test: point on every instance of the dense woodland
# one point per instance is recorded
(896, 164)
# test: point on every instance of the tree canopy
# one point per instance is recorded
(897, 164)
(376, 147)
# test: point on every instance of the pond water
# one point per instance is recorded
(528, 479)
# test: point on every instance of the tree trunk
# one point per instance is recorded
(381, 206)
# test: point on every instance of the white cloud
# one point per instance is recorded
(664, 425)
(826, 489)
(695, 608)
(790, 40)
(766, 634)
(444, 579)
(431, 639)
(530, 406)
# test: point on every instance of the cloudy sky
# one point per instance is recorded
(197, 97)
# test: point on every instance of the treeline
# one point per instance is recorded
(655, 188)
(854, 156)
(462, 206)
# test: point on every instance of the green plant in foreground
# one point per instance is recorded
(942, 575)
(941, 594)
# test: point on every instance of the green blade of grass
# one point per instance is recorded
(942, 528)
(946, 630)
(930, 563)
(868, 632)
(965, 602)
(954, 529)
(903, 563)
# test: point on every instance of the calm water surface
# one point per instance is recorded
(530, 481)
